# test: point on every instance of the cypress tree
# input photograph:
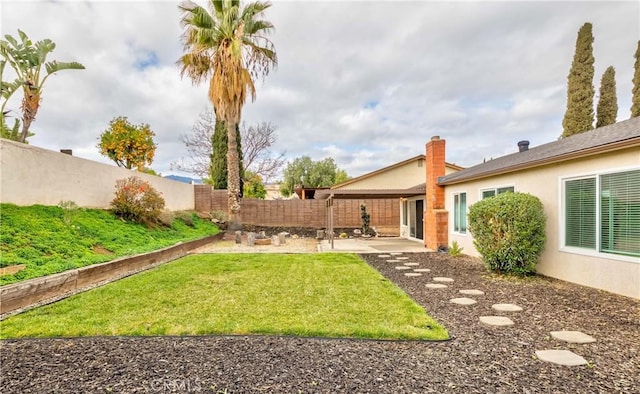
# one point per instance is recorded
(635, 98)
(579, 115)
(608, 103)
(218, 169)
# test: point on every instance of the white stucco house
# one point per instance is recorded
(589, 185)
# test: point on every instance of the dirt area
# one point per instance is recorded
(477, 359)
(229, 245)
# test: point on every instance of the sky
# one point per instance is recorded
(367, 83)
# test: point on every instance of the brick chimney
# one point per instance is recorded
(436, 217)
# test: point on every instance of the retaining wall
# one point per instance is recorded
(53, 287)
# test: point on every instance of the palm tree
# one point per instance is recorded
(229, 48)
(27, 60)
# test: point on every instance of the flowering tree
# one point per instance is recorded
(127, 145)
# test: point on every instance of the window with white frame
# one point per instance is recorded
(486, 193)
(460, 213)
(602, 213)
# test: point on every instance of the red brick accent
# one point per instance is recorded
(435, 218)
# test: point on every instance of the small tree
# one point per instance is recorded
(253, 186)
(635, 98)
(578, 117)
(127, 145)
(607, 109)
(509, 232)
(308, 173)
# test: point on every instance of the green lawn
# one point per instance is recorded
(51, 239)
(328, 295)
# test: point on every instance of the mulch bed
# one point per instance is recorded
(478, 358)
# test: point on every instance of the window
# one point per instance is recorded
(620, 213)
(580, 213)
(460, 213)
(492, 192)
(602, 213)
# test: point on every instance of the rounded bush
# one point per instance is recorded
(509, 232)
(137, 200)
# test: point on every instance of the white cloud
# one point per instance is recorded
(367, 83)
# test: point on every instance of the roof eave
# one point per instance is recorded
(628, 143)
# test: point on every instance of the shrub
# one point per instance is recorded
(366, 221)
(137, 201)
(186, 217)
(166, 218)
(69, 211)
(218, 216)
(455, 250)
(509, 232)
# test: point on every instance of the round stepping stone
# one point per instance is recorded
(463, 301)
(562, 357)
(412, 264)
(435, 285)
(395, 253)
(441, 279)
(382, 256)
(403, 267)
(393, 261)
(496, 321)
(412, 274)
(506, 307)
(573, 336)
(472, 292)
(421, 270)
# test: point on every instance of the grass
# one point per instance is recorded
(51, 239)
(328, 295)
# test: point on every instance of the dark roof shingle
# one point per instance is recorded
(625, 133)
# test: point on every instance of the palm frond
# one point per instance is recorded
(55, 66)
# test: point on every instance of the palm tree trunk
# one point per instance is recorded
(30, 104)
(233, 181)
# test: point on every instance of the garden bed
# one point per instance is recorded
(478, 359)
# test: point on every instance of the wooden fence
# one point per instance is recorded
(385, 213)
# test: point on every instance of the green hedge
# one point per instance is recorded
(509, 232)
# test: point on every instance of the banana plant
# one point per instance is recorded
(6, 90)
(27, 60)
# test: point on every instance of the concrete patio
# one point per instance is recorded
(372, 245)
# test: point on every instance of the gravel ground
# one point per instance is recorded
(478, 359)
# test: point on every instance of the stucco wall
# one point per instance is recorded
(406, 176)
(30, 175)
(617, 274)
(402, 177)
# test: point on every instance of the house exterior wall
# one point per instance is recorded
(617, 274)
(406, 176)
(31, 175)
